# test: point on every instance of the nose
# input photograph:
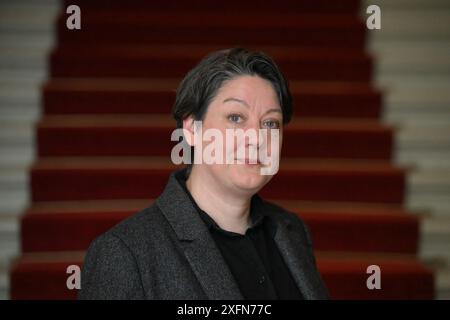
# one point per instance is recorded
(252, 140)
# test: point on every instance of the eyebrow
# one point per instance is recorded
(246, 104)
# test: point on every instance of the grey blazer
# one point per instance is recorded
(166, 252)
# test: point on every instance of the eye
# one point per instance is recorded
(236, 118)
(271, 124)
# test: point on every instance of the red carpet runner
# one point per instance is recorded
(103, 141)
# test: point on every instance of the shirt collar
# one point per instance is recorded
(256, 216)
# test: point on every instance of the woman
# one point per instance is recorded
(209, 235)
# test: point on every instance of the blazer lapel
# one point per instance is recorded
(298, 260)
(211, 269)
(199, 247)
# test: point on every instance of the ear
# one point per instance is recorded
(188, 130)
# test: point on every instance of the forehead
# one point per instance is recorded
(252, 89)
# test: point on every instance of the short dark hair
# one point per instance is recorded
(200, 86)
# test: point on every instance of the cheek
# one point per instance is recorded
(215, 118)
(280, 141)
(214, 123)
(272, 141)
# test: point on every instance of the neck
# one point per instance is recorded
(231, 212)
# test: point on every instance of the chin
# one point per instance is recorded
(248, 178)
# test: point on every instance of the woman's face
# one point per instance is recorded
(247, 103)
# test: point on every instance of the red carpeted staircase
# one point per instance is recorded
(104, 138)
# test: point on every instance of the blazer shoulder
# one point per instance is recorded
(110, 271)
(136, 236)
(137, 228)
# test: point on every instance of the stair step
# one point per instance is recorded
(16, 156)
(130, 178)
(97, 96)
(23, 112)
(417, 90)
(175, 61)
(28, 17)
(4, 280)
(43, 276)
(72, 226)
(432, 181)
(412, 58)
(429, 87)
(137, 135)
(434, 158)
(14, 200)
(442, 276)
(439, 204)
(435, 242)
(431, 122)
(402, 277)
(13, 177)
(22, 57)
(344, 30)
(27, 39)
(9, 236)
(414, 24)
(17, 134)
(413, 5)
(423, 139)
(231, 6)
(16, 94)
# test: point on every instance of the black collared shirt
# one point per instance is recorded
(253, 258)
